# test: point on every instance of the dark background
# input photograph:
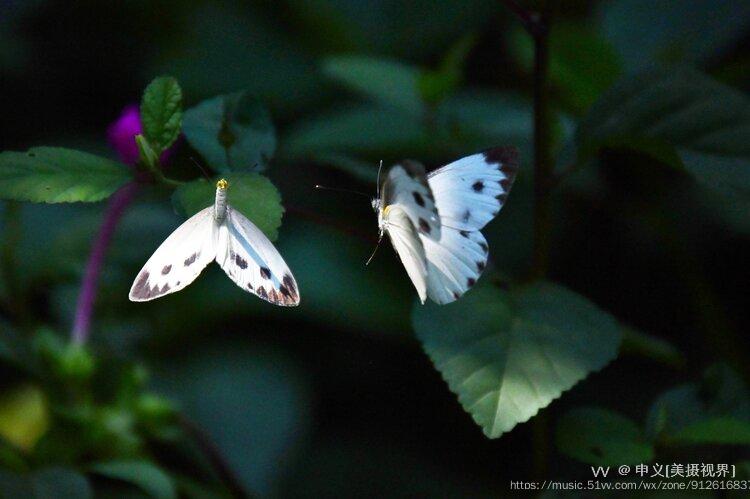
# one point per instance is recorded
(337, 398)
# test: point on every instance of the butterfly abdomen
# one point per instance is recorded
(220, 205)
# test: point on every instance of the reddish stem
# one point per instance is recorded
(85, 307)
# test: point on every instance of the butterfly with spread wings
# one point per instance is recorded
(220, 233)
(434, 221)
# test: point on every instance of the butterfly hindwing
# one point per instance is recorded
(406, 186)
(253, 263)
(454, 263)
(470, 191)
(407, 244)
(179, 259)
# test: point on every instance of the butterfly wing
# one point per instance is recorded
(406, 186)
(454, 263)
(179, 259)
(407, 244)
(253, 263)
(470, 192)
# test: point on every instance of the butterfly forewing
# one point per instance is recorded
(407, 244)
(470, 191)
(406, 186)
(253, 263)
(179, 259)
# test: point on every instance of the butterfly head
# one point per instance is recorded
(222, 184)
(375, 203)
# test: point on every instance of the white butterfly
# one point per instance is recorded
(219, 233)
(434, 221)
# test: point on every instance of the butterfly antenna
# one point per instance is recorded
(336, 189)
(200, 168)
(380, 238)
(377, 186)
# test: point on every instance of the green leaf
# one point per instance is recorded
(690, 31)
(146, 152)
(57, 175)
(161, 112)
(388, 82)
(681, 118)
(436, 85)
(602, 437)
(142, 474)
(582, 64)
(721, 394)
(508, 354)
(49, 483)
(365, 129)
(635, 342)
(719, 430)
(251, 194)
(233, 132)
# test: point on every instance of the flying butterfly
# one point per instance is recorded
(220, 233)
(434, 220)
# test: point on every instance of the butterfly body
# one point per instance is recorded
(222, 234)
(434, 221)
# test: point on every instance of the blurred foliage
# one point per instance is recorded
(649, 120)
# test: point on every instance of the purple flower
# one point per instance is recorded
(121, 136)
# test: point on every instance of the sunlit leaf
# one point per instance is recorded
(602, 437)
(161, 112)
(232, 132)
(508, 354)
(142, 474)
(57, 175)
(250, 193)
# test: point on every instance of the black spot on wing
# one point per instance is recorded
(250, 286)
(466, 216)
(471, 281)
(456, 295)
(478, 186)
(502, 156)
(141, 288)
(418, 198)
(191, 259)
(464, 233)
(481, 265)
(241, 262)
(143, 291)
(265, 272)
(424, 227)
(484, 247)
(166, 269)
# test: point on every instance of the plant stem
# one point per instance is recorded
(543, 167)
(536, 24)
(85, 307)
(12, 232)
